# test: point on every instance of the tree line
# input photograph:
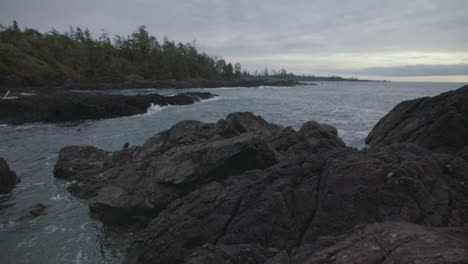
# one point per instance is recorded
(29, 57)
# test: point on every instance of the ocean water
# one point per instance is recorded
(67, 234)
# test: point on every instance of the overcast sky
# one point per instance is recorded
(389, 39)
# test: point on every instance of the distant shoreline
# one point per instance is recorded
(156, 84)
(170, 84)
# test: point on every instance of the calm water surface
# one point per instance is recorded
(68, 235)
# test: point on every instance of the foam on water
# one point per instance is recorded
(153, 109)
(51, 228)
(78, 257)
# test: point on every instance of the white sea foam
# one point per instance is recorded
(216, 98)
(231, 88)
(28, 243)
(78, 257)
(153, 109)
(31, 185)
(83, 226)
(274, 87)
(51, 228)
(57, 197)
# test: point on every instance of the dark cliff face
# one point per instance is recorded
(60, 106)
(438, 123)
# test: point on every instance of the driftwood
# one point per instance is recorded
(6, 95)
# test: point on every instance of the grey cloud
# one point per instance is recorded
(264, 27)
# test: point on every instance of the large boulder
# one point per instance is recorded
(304, 199)
(145, 179)
(438, 123)
(321, 135)
(8, 178)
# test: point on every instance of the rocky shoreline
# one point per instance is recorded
(177, 84)
(156, 84)
(60, 106)
(243, 190)
(56, 103)
(438, 123)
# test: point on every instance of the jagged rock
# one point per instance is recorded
(311, 196)
(233, 254)
(143, 180)
(392, 242)
(74, 160)
(438, 123)
(389, 242)
(32, 212)
(8, 178)
(321, 135)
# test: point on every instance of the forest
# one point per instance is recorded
(31, 58)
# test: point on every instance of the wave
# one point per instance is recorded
(231, 88)
(154, 108)
(216, 98)
(274, 87)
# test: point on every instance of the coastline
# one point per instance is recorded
(156, 84)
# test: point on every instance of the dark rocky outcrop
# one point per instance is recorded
(438, 123)
(327, 134)
(154, 84)
(393, 242)
(59, 106)
(145, 179)
(8, 178)
(301, 200)
(389, 242)
(243, 190)
(233, 254)
(32, 212)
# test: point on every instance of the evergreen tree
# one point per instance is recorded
(76, 55)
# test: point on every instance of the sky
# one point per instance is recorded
(407, 40)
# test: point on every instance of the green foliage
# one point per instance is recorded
(282, 75)
(34, 58)
(134, 78)
(18, 66)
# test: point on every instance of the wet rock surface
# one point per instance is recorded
(306, 198)
(8, 178)
(52, 106)
(142, 180)
(388, 242)
(243, 190)
(438, 123)
(32, 212)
